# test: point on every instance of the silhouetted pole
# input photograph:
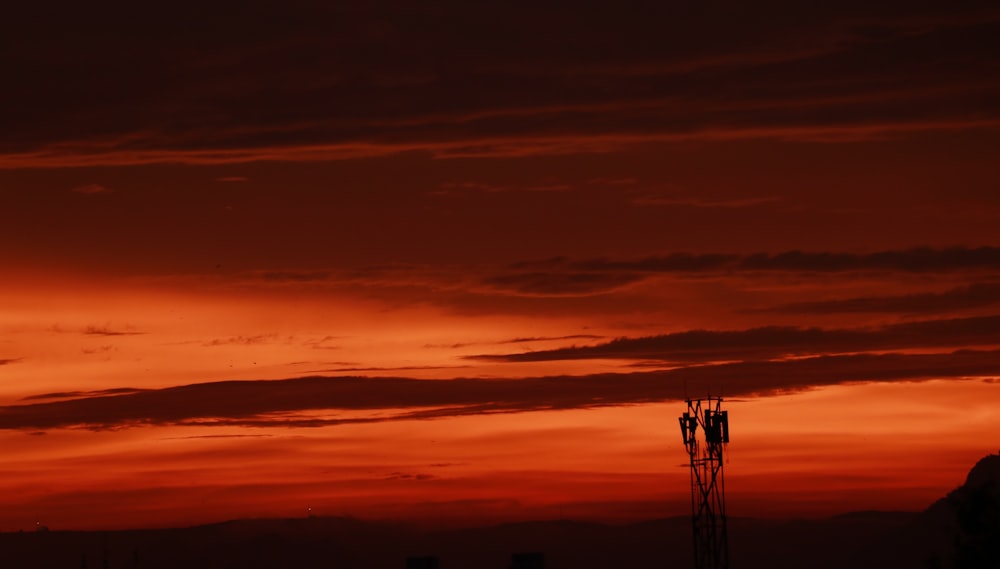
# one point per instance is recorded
(708, 487)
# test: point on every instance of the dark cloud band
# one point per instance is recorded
(697, 346)
(323, 401)
(367, 80)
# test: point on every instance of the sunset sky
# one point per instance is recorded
(461, 262)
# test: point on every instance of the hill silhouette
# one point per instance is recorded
(958, 531)
(962, 530)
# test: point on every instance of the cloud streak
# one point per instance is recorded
(971, 296)
(327, 401)
(915, 260)
(526, 339)
(574, 283)
(84, 153)
(108, 331)
(242, 340)
(563, 276)
(81, 394)
(92, 189)
(775, 341)
(410, 85)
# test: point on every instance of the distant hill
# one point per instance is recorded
(962, 530)
(958, 531)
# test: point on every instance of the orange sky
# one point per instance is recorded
(456, 278)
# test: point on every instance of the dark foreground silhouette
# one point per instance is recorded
(960, 530)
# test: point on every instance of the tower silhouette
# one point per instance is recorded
(708, 487)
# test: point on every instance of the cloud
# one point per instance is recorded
(819, 75)
(674, 262)
(108, 331)
(79, 154)
(231, 436)
(568, 277)
(921, 259)
(9, 361)
(389, 276)
(83, 394)
(971, 296)
(568, 283)
(459, 188)
(408, 476)
(316, 401)
(518, 340)
(397, 368)
(293, 276)
(915, 260)
(526, 339)
(242, 340)
(776, 341)
(92, 189)
(322, 343)
(703, 203)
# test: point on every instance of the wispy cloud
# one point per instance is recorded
(359, 369)
(323, 342)
(242, 340)
(527, 339)
(916, 260)
(964, 297)
(776, 341)
(416, 477)
(821, 79)
(231, 436)
(465, 146)
(560, 283)
(79, 394)
(318, 401)
(564, 276)
(92, 189)
(735, 203)
(294, 276)
(484, 187)
(107, 330)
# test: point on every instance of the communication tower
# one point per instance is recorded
(708, 487)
